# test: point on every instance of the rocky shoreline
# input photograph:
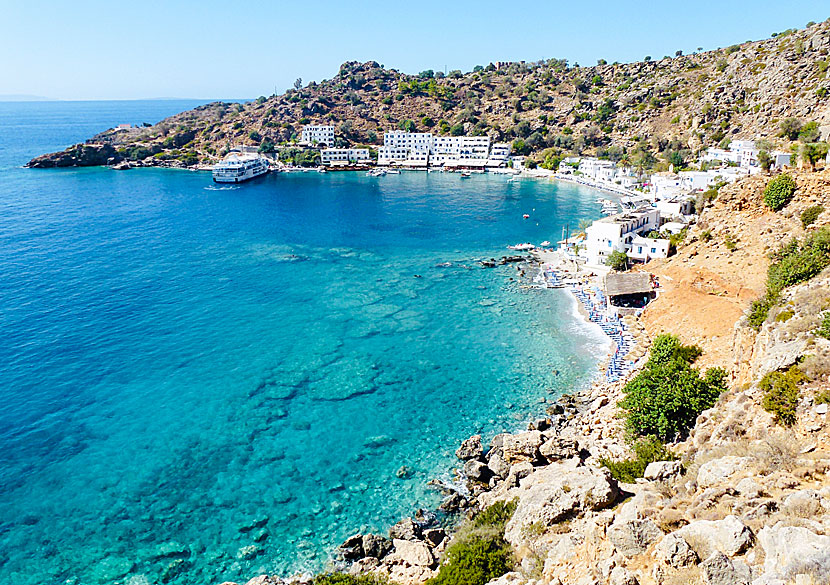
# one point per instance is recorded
(746, 500)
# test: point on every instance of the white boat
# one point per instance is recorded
(376, 173)
(466, 174)
(393, 172)
(545, 244)
(237, 168)
(522, 247)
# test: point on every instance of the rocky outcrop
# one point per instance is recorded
(80, 155)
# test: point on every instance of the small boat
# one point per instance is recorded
(522, 247)
(393, 172)
(526, 216)
(321, 170)
(545, 244)
(466, 174)
(376, 173)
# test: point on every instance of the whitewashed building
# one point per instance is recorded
(423, 149)
(597, 169)
(332, 156)
(643, 249)
(617, 233)
(499, 153)
(317, 135)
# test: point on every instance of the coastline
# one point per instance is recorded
(408, 554)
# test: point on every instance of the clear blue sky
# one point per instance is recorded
(91, 49)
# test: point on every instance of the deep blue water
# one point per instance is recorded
(179, 360)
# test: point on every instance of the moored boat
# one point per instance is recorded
(237, 168)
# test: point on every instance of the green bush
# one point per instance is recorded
(795, 263)
(781, 394)
(666, 397)
(810, 215)
(617, 261)
(823, 397)
(478, 552)
(347, 579)
(646, 450)
(705, 235)
(779, 192)
(824, 328)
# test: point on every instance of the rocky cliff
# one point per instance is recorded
(655, 106)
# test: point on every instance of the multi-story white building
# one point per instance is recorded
(618, 233)
(331, 156)
(318, 135)
(422, 149)
(597, 169)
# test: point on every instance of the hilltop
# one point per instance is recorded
(644, 110)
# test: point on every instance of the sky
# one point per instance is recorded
(91, 49)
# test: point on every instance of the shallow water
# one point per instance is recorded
(190, 370)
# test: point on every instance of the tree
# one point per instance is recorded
(428, 74)
(617, 261)
(647, 58)
(809, 132)
(779, 191)
(675, 159)
(266, 147)
(457, 130)
(765, 160)
(255, 136)
(298, 83)
(407, 125)
(678, 53)
(790, 127)
(602, 62)
(520, 147)
(666, 397)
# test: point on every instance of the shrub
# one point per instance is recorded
(810, 215)
(705, 235)
(666, 397)
(730, 244)
(646, 450)
(822, 397)
(617, 261)
(347, 579)
(478, 552)
(779, 192)
(824, 328)
(781, 394)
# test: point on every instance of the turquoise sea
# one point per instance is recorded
(190, 370)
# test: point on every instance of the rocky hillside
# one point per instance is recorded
(646, 109)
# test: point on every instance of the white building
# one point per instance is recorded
(742, 153)
(618, 233)
(318, 135)
(331, 156)
(597, 169)
(644, 249)
(781, 159)
(423, 149)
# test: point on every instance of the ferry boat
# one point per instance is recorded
(236, 168)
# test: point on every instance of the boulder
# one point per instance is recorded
(265, 580)
(518, 472)
(633, 537)
(749, 488)
(375, 546)
(557, 492)
(674, 551)
(803, 503)
(477, 471)
(794, 550)
(719, 569)
(720, 470)
(470, 449)
(406, 529)
(729, 536)
(557, 448)
(622, 576)
(521, 447)
(663, 471)
(453, 503)
(435, 536)
(352, 548)
(416, 554)
(498, 466)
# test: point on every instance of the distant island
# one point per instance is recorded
(23, 97)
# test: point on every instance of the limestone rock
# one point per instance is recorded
(794, 550)
(633, 537)
(265, 580)
(522, 447)
(719, 470)
(470, 449)
(675, 551)
(719, 569)
(477, 471)
(498, 466)
(406, 529)
(558, 447)
(729, 536)
(556, 492)
(622, 576)
(375, 546)
(663, 470)
(416, 554)
(352, 548)
(803, 503)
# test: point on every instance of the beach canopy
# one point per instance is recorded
(627, 283)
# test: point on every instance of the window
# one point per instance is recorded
(640, 250)
(653, 250)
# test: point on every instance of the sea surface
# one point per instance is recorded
(204, 383)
